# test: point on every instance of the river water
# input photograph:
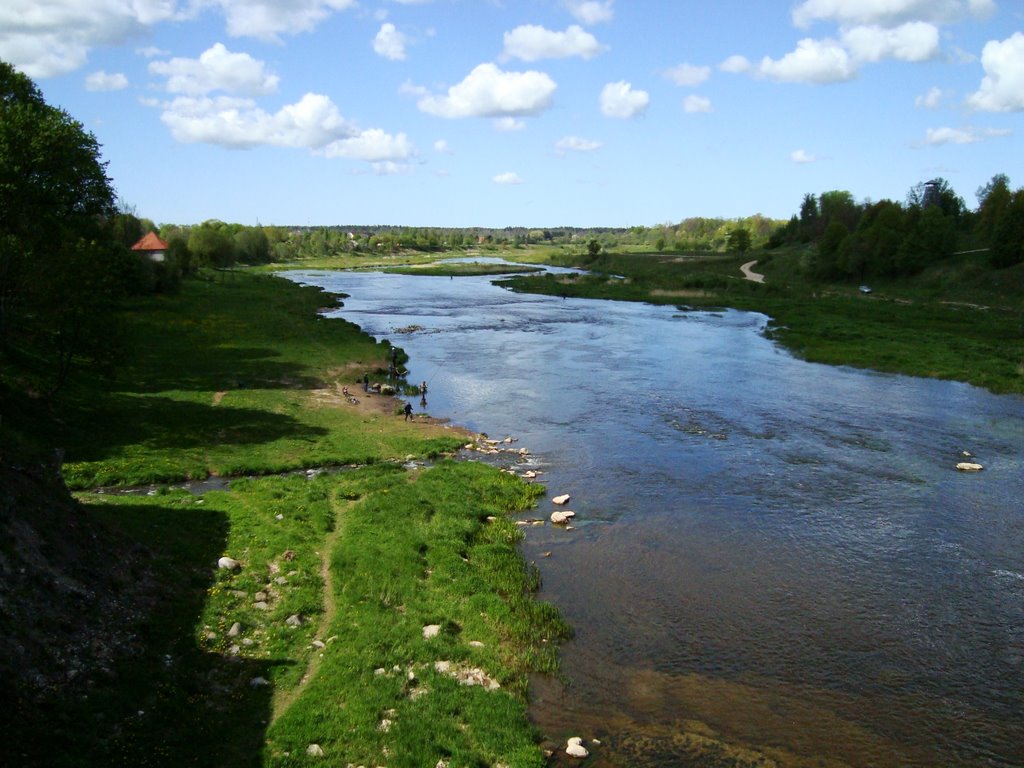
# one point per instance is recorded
(770, 557)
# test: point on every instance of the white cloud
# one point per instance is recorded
(311, 123)
(687, 74)
(735, 64)
(576, 144)
(802, 157)
(488, 91)
(391, 168)
(390, 43)
(531, 42)
(151, 52)
(1002, 88)
(54, 38)
(813, 61)
(913, 41)
(269, 19)
(507, 178)
(889, 13)
(938, 136)
(620, 100)
(508, 124)
(442, 148)
(591, 11)
(216, 69)
(929, 100)
(373, 145)
(102, 81)
(695, 104)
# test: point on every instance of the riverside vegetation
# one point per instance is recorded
(315, 645)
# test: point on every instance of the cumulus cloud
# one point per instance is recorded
(1002, 88)
(938, 136)
(889, 13)
(694, 104)
(54, 38)
(736, 64)
(802, 157)
(372, 145)
(929, 100)
(687, 74)
(507, 178)
(488, 91)
(442, 148)
(313, 123)
(390, 43)
(269, 19)
(531, 42)
(576, 144)
(591, 11)
(620, 100)
(508, 124)
(216, 69)
(913, 41)
(813, 61)
(102, 81)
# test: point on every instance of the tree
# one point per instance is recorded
(210, 246)
(1008, 238)
(60, 266)
(739, 240)
(993, 201)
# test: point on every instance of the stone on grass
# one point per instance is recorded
(315, 750)
(295, 620)
(575, 748)
(236, 630)
(228, 563)
(431, 630)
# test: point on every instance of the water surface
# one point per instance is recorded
(769, 554)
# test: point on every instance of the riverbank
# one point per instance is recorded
(958, 321)
(356, 606)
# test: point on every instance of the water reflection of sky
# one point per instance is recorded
(743, 513)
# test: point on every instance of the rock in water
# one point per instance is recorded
(969, 466)
(561, 499)
(562, 517)
(575, 748)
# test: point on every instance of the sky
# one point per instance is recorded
(536, 113)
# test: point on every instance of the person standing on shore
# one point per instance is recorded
(408, 411)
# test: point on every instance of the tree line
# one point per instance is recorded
(900, 239)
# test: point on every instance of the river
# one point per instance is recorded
(770, 557)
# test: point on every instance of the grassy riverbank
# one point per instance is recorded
(315, 644)
(960, 321)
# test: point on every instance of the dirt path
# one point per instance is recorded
(748, 272)
(284, 699)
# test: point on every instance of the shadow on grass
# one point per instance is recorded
(210, 367)
(104, 424)
(146, 695)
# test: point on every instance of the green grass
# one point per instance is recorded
(240, 376)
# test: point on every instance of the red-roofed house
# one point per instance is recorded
(151, 246)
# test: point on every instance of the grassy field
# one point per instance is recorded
(315, 645)
(957, 321)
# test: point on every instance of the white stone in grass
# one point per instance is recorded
(575, 748)
(561, 499)
(315, 750)
(228, 563)
(295, 620)
(236, 629)
(431, 630)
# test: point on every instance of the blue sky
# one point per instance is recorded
(527, 112)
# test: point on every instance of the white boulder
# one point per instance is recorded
(575, 748)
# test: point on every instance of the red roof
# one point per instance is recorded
(150, 242)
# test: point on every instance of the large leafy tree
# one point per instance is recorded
(59, 265)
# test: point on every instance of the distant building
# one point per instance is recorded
(151, 247)
(932, 194)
